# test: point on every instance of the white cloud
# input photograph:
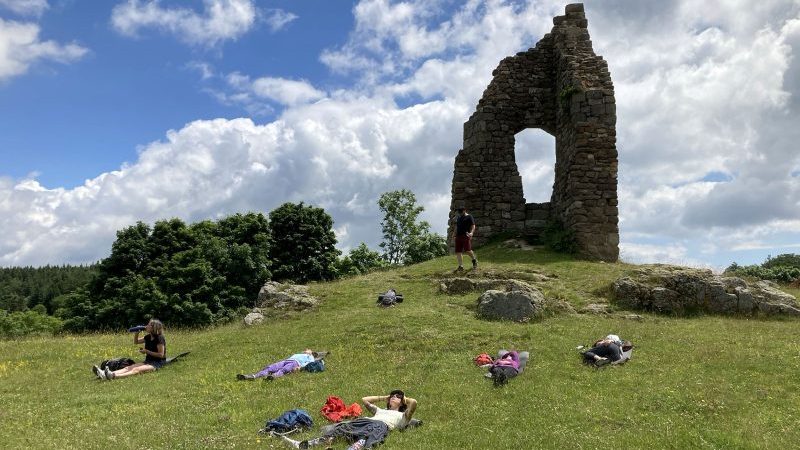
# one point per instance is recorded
(25, 7)
(674, 253)
(21, 47)
(324, 154)
(280, 90)
(277, 19)
(220, 21)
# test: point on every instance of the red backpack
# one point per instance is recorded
(483, 359)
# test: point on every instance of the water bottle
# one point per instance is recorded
(136, 328)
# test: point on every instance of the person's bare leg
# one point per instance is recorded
(122, 373)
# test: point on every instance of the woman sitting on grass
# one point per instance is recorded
(155, 350)
(365, 432)
(291, 364)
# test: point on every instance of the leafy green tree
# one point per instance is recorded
(303, 243)
(404, 239)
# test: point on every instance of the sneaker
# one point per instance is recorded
(292, 442)
(99, 373)
(474, 264)
(270, 377)
(109, 374)
(460, 269)
(241, 377)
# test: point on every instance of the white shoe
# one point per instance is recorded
(292, 442)
(100, 374)
(602, 362)
(109, 375)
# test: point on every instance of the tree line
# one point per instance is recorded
(206, 272)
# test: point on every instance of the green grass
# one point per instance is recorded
(701, 382)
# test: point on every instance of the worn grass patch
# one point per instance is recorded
(701, 382)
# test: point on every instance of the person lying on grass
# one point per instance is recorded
(505, 367)
(155, 351)
(609, 350)
(366, 432)
(275, 370)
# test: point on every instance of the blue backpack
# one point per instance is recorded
(288, 421)
(315, 366)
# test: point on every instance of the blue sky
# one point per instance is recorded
(127, 91)
(125, 110)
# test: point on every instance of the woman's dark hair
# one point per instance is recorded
(399, 393)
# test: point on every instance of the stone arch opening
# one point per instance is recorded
(535, 153)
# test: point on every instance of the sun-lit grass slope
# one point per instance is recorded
(701, 382)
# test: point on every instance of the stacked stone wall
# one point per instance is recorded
(563, 88)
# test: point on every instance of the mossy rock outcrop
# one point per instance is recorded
(507, 299)
(681, 291)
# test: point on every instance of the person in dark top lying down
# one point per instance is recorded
(155, 351)
(609, 350)
(366, 432)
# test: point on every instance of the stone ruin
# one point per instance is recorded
(563, 88)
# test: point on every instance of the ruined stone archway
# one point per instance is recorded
(563, 88)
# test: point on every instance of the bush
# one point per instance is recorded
(559, 239)
(18, 323)
(782, 268)
(780, 274)
(361, 260)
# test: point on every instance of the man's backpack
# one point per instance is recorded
(289, 421)
(116, 364)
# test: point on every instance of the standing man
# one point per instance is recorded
(465, 226)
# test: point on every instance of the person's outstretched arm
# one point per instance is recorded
(369, 402)
(411, 406)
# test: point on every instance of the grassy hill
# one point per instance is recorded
(702, 382)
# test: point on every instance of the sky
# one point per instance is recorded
(121, 111)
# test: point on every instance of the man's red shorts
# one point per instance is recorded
(463, 244)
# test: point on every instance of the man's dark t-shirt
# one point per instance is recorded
(151, 343)
(464, 223)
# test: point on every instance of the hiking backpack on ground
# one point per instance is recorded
(116, 363)
(289, 421)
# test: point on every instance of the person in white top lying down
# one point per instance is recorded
(366, 432)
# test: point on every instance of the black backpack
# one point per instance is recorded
(116, 364)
